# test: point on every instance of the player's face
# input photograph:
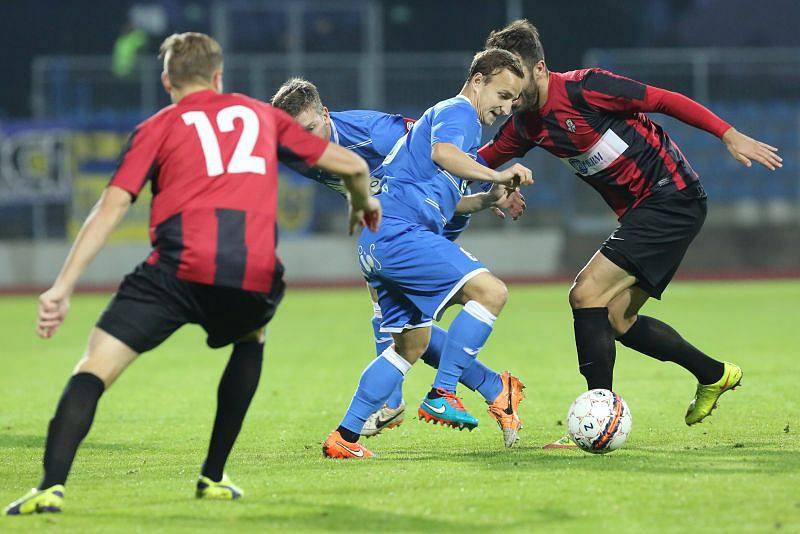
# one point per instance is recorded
(496, 97)
(535, 79)
(530, 91)
(315, 122)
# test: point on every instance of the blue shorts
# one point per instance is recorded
(414, 271)
(455, 227)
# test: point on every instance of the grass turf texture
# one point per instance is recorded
(136, 470)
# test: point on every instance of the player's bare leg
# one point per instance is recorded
(235, 392)
(105, 359)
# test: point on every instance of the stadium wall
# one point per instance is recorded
(515, 256)
(312, 260)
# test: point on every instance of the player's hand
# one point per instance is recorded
(507, 199)
(746, 149)
(368, 215)
(53, 308)
(515, 176)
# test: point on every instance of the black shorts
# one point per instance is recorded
(652, 238)
(151, 304)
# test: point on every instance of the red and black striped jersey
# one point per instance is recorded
(594, 122)
(212, 161)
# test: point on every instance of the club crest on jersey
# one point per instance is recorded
(369, 263)
(570, 125)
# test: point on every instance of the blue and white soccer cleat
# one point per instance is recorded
(446, 410)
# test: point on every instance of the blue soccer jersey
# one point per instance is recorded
(370, 134)
(414, 269)
(417, 190)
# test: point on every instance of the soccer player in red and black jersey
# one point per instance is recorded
(595, 122)
(211, 160)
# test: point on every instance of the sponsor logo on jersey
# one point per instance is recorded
(600, 156)
(570, 125)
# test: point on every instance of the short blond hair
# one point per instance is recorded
(297, 95)
(190, 58)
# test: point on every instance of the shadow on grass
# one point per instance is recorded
(31, 441)
(298, 516)
(720, 459)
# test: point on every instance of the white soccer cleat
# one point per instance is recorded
(384, 418)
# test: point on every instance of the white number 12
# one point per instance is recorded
(242, 160)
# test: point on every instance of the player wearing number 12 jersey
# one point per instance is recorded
(211, 160)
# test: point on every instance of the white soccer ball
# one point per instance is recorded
(599, 421)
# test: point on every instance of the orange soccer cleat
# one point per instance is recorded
(504, 408)
(336, 447)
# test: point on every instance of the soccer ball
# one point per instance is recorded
(599, 421)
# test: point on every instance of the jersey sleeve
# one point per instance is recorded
(455, 125)
(508, 143)
(138, 161)
(386, 129)
(609, 92)
(297, 148)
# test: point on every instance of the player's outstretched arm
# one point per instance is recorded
(364, 208)
(106, 214)
(452, 159)
(610, 92)
(746, 150)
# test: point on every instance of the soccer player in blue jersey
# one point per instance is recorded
(372, 134)
(418, 273)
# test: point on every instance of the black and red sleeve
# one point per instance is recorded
(510, 142)
(297, 148)
(610, 92)
(138, 161)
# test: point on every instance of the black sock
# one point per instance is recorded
(69, 426)
(594, 339)
(348, 435)
(433, 394)
(236, 389)
(660, 341)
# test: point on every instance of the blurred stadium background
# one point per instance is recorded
(81, 74)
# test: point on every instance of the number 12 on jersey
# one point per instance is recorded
(242, 160)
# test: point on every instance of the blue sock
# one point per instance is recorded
(378, 381)
(466, 336)
(476, 376)
(382, 342)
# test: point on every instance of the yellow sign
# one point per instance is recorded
(104, 147)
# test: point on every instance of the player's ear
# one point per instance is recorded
(540, 69)
(165, 82)
(216, 81)
(326, 113)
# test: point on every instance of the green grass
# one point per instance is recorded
(739, 471)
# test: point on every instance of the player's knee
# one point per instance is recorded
(491, 293)
(582, 294)
(256, 336)
(411, 352)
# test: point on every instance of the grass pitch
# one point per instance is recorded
(738, 471)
